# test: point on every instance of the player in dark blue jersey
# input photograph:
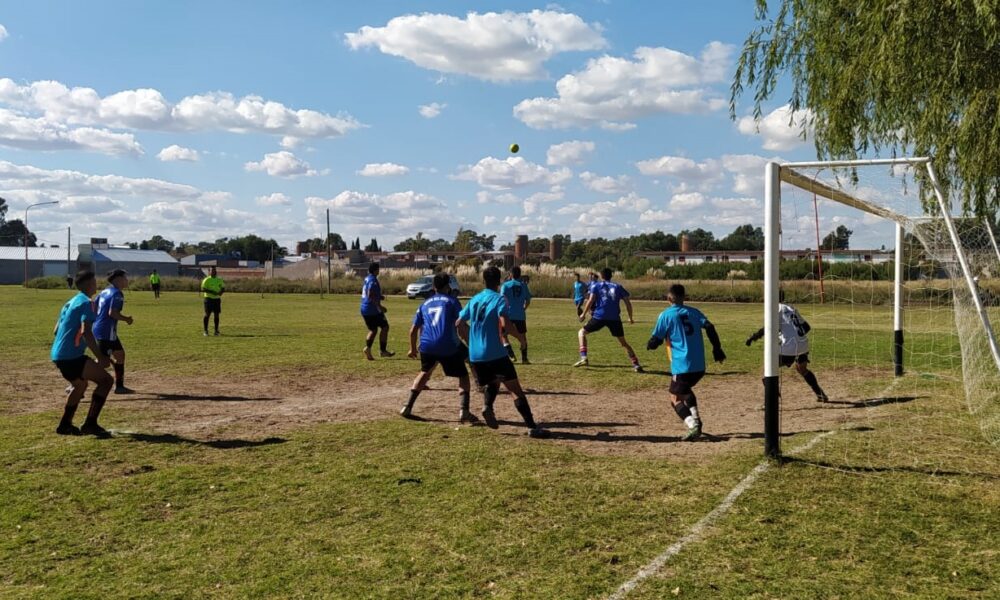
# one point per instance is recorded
(518, 297)
(681, 327)
(373, 313)
(73, 335)
(604, 299)
(479, 325)
(110, 303)
(434, 326)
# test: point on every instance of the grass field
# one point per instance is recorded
(268, 462)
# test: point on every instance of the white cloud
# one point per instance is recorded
(747, 171)
(680, 167)
(148, 109)
(275, 199)
(28, 133)
(606, 214)
(781, 129)
(393, 216)
(175, 153)
(484, 197)
(282, 164)
(687, 201)
(610, 91)
(496, 174)
(569, 153)
(25, 177)
(493, 46)
(3, 33)
(386, 169)
(489, 220)
(429, 111)
(606, 184)
(90, 204)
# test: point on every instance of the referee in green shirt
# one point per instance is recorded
(154, 283)
(212, 289)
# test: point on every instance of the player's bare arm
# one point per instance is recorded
(414, 336)
(118, 316)
(586, 307)
(713, 337)
(628, 309)
(463, 331)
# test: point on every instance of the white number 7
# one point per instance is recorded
(435, 315)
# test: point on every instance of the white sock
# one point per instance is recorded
(690, 422)
(694, 413)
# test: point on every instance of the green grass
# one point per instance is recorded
(900, 506)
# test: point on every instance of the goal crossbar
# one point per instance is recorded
(813, 185)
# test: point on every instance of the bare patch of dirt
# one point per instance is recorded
(594, 421)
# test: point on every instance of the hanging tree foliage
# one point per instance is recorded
(915, 77)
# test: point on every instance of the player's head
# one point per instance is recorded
(86, 282)
(118, 278)
(606, 274)
(515, 272)
(373, 268)
(676, 293)
(593, 276)
(442, 281)
(492, 277)
(215, 272)
(154, 271)
(577, 276)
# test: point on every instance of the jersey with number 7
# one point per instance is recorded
(681, 326)
(436, 317)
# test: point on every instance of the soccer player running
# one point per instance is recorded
(604, 300)
(518, 297)
(792, 332)
(212, 288)
(434, 325)
(373, 313)
(154, 284)
(479, 326)
(681, 326)
(110, 303)
(73, 335)
(579, 294)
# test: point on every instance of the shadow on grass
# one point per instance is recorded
(193, 398)
(872, 402)
(885, 469)
(169, 438)
(605, 436)
(253, 335)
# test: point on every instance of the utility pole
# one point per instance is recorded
(329, 253)
(69, 237)
(26, 235)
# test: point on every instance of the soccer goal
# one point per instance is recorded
(913, 296)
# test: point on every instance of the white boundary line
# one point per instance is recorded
(696, 531)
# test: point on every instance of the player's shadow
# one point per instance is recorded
(255, 335)
(581, 424)
(861, 469)
(204, 398)
(873, 402)
(169, 438)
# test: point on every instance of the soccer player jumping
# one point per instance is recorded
(681, 326)
(604, 300)
(434, 325)
(373, 313)
(479, 325)
(518, 297)
(110, 303)
(792, 332)
(73, 335)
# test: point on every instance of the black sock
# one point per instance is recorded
(524, 409)
(465, 400)
(369, 342)
(68, 412)
(216, 322)
(691, 400)
(96, 404)
(119, 375)
(490, 395)
(811, 380)
(206, 323)
(382, 345)
(524, 354)
(413, 398)
(682, 410)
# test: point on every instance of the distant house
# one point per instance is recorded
(42, 262)
(697, 257)
(139, 263)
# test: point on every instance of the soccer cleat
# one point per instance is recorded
(525, 361)
(637, 368)
(206, 333)
(583, 362)
(217, 332)
(95, 430)
(693, 433)
(539, 433)
(490, 418)
(121, 389)
(367, 352)
(69, 389)
(406, 413)
(510, 351)
(386, 354)
(822, 397)
(68, 430)
(465, 416)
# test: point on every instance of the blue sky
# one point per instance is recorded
(196, 120)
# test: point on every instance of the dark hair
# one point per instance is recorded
(82, 277)
(515, 272)
(677, 292)
(593, 275)
(442, 281)
(577, 276)
(491, 277)
(606, 274)
(116, 273)
(373, 268)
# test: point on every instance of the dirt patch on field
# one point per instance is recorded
(604, 421)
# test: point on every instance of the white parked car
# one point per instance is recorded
(424, 287)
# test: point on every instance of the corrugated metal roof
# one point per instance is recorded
(40, 254)
(134, 256)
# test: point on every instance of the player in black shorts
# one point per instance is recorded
(434, 326)
(603, 303)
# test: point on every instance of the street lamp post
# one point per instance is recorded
(26, 235)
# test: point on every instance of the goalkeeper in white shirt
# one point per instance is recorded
(794, 344)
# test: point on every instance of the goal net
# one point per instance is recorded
(902, 293)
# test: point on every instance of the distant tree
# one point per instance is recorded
(12, 232)
(422, 244)
(744, 237)
(838, 239)
(467, 240)
(157, 242)
(373, 246)
(700, 239)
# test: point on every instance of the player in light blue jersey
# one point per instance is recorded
(110, 303)
(680, 326)
(434, 326)
(479, 325)
(518, 297)
(73, 335)
(373, 312)
(579, 295)
(604, 302)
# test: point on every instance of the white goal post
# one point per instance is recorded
(792, 173)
